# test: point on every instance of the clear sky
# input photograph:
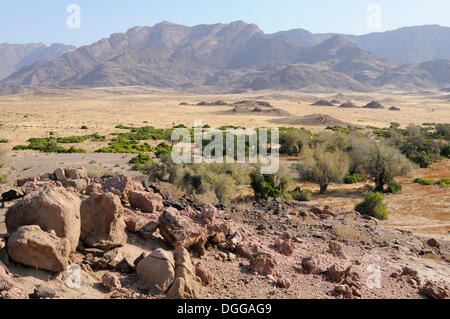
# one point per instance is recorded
(24, 21)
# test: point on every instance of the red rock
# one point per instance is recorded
(338, 272)
(264, 264)
(284, 247)
(134, 223)
(146, 201)
(314, 265)
(244, 251)
(111, 282)
(432, 291)
(204, 274)
(209, 215)
(283, 283)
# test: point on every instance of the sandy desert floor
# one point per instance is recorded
(424, 210)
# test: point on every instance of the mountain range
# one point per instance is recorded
(236, 56)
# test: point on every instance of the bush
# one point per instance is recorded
(373, 205)
(394, 187)
(3, 141)
(301, 195)
(424, 181)
(269, 186)
(84, 127)
(353, 178)
(139, 160)
(443, 182)
(445, 150)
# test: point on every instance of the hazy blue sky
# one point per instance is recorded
(23, 21)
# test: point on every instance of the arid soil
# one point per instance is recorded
(272, 249)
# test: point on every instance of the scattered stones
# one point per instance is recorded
(102, 224)
(111, 282)
(244, 251)
(337, 272)
(179, 230)
(52, 209)
(31, 246)
(344, 291)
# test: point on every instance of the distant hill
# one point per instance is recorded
(14, 56)
(224, 57)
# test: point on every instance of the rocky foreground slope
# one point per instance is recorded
(64, 235)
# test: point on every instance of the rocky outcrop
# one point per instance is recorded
(180, 231)
(31, 246)
(121, 185)
(102, 224)
(52, 209)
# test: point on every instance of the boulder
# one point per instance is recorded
(157, 271)
(76, 173)
(337, 272)
(134, 223)
(148, 230)
(93, 188)
(263, 264)
(31, 246)
(13, 293)
(52, 209)
(80, 185)
(146, 201)
(432, 291)
(60, 175)
(314, 265)
(284, 247)
(180, 231)
(121, 185)
(434, 243)
(189, 287)
(102, 224)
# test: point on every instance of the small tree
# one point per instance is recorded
(323, 166)
(378, 161)
(292, 142)
(266, 186)
(373, 205)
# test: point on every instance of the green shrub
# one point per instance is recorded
(443, 182)
(353, 178)
(84, 127)
(301, 195)
(394, 187)
(139, 160)
(424, 181)
(445, 150)
(3, 141)
(373, 205)
(269, 186)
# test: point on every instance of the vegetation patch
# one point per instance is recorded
(373, 205)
